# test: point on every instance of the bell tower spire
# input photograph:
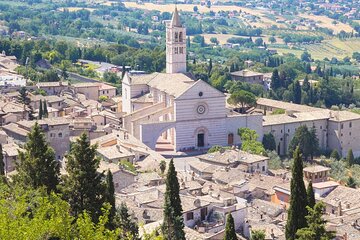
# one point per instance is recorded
(175, 45)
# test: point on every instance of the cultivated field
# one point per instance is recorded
(222, 38)
(264, 22)
(326, 22)
(328, 48)
(75, 9)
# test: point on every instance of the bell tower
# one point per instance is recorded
(175, 45)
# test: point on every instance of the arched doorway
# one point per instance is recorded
(201, 137)
(166, 141)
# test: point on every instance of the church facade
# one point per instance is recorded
(175, 108)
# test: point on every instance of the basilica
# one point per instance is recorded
(175, 108)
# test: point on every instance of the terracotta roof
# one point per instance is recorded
(285, 105)
(321, 114)
(343, 116)
(173, 84)
(316, 168)
(246, 73)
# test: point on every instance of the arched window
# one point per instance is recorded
(60, 135)
(176, 37)
(180, 37)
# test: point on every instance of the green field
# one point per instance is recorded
(328, 48)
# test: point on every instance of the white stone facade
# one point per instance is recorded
(188, 114)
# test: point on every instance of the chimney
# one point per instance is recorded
(339, 209)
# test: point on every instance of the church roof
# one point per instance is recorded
(172, 83)
(175, 21)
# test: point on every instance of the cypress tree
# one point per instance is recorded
(230, 233)
(45, 112)
(124, 221)
(37, 165)
(173, 225)
(297, 92)
(350, 182)
(316, 225)
(275, 80)
(41, 110)
(310, 195)
(306, 84)
(298, 201)
(83, 186)
(350, 157)
(110, 195)
(335, 154)
(2, 164)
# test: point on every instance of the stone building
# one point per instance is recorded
(174, 108)
(56, 130)
(248, 76)
(334, 129)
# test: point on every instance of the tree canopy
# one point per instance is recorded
(37, 165)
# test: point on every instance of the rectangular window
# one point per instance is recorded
(189, 216)
(176, 50)
(350, 124)
(342, 126)
(181, 50)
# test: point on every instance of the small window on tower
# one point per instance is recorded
(180, 37)
(176, 50)
(176, 37)
(181, 50)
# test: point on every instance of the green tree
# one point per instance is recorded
(37, 166)
(173, 226)
(230, 231)
(162, 166)
(272, 40)
(258, 235)
(41, 110)
(23, 97)
(335, 154)
(2, 164)
(310, 195)
(350, 157)
(297, 92)
(214, 40)
(308, 68)
(275, 80)
(33, 214)
(243, 98)
(269, 141)
(83, 186)
(110, 196)
(306, 84)
(249, 141)
(350, 182)
(316, 225)
(124, 221)
(306, 140)
(45, 111)
(306, 57)
(298, 200)
(87, 229)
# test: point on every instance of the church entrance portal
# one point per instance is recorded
(201, 140)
